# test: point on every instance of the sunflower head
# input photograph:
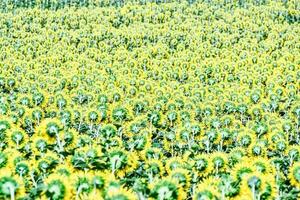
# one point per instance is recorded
(294, 175)
(256, 184)
(49, 129)
(228, 186)
(8, 187)
(241, 169)
(22, 168)
(219, 161)
(245, 139)
(118, 160)
(182, 177)
(206, 192)
(4, 125)
(262, 165)
(82, 184)
(257, 150)
(236, 155)
(119, 193)
(119, 114)
(39, 144)
(18, 137)
(56, 189)
(11, 186)
(202, 165)
(165, 190)
(173, 163)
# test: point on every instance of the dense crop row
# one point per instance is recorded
(156, 101)
(9, 5)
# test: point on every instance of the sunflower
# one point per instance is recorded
(207, 191)
(49, 129)
(236, 155)
(173, 163)
(219, 162)
(119, 114)
(18, 138)
(294, 175)
(13, 156)
(80, 184)
(245, 139)
(182, 177)
(135, 126)
(256, 185)
(47, 163)
(93, 195)
(202, 165)
(153, 168)
(166, 189)
(5, 125)
(119, 193)
(39, 145)
(274, 137)
(11, 186)
(108, 131)
(120, 162)
(228, 187)
(257, 150)
(57, 187)
(262, 165)
(241, 169)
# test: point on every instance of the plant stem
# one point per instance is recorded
(79, 191)
(253, 192)
(12, 193)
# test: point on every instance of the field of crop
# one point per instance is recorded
(172, 100)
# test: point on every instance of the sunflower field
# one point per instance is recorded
(140, 99)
